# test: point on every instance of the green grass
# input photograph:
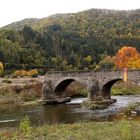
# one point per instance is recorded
(119, 130)
(125, 89)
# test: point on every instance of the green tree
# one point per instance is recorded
(88, 59)
(107, 63)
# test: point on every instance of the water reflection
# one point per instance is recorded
(64, 113)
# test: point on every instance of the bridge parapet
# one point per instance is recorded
(101, 76)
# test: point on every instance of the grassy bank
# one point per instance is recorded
(19, 90)
(119, 130)
(127, 88)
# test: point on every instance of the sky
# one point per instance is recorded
(15, 10)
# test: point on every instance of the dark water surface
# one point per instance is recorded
(63, 113)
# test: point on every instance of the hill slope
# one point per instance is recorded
(70, 41)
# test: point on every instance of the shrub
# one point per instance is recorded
(29, 96)
(107, 63)
(20, 73)
(33, 73)
(25, 127)
(6, 81)
(16, 73)
(1, 68)
(23, 73)
(83, 93)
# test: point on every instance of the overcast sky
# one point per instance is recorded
(15, 10)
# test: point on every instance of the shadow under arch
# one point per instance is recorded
(61, 87)
(106, 89)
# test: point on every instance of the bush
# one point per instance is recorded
(1, 68)
(33, 73)
(30, 96)
(7, 81)
(25, 127)
(20, 73)
(106, 64)
(23, 73)
(16, 73)
(83, 93)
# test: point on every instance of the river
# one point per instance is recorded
(63, 113)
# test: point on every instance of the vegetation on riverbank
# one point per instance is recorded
(20, 91)
(125, 88)
(122, 130)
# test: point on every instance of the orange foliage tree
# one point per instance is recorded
(127, 57)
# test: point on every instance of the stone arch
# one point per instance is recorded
(62, 84)
(106, 89)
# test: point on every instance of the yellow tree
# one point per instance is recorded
(1, 68)
(127, 57)
(88, 59)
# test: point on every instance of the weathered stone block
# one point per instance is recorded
(47, 90)
(94, 90)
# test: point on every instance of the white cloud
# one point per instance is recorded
(13, 10)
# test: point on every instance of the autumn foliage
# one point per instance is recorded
(127, 57)
(1, 68)
(32, 73)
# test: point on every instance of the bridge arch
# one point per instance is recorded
(106, 89)
(61, 85)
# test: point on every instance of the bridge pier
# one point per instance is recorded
(47, 90)
(48, 94)
(94, 91)
(98, 98)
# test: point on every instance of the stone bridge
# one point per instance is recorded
(97, 82)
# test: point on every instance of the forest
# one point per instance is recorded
(85, 40)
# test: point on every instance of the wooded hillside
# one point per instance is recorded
(69, 41)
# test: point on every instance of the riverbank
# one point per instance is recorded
(122, 130)
(125, 88)
(23, 91)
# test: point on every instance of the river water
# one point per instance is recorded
(63, 113)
